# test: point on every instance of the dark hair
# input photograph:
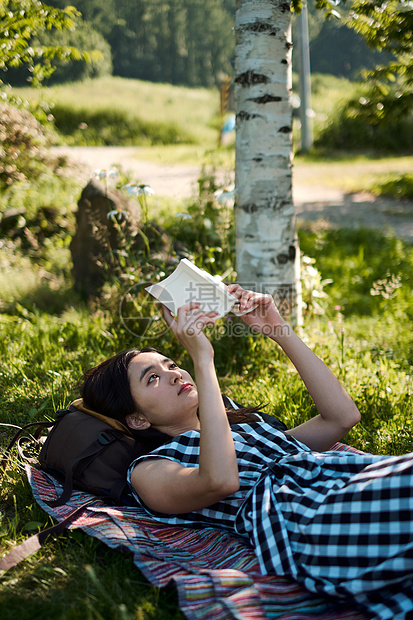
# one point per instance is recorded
(106, 389)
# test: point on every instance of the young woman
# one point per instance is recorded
(339, 523)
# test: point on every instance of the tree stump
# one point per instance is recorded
(97, 236)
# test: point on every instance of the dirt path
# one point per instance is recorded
(312, 203)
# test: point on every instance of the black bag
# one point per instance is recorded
(84, 450)
(88, 451)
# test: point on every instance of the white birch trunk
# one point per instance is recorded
(267, 252)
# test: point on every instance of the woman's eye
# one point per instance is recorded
(173, 365)
(152, 377)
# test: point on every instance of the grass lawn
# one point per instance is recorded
(365, 339)
(192, 111)
(353, 173)
(180, 125)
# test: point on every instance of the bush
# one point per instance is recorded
(399, 186)
(371, 121)
(207, 229)
(23, 145)
(85, 39)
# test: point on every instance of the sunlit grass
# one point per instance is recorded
(189, 154)
(195, 113)
(194, 110)
(349, 173)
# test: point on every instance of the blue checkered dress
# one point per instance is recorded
(339, 523)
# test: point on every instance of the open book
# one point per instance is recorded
(189, 283)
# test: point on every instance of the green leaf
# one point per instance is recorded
(32, 525)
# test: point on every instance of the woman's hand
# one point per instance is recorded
(188, 328)
(265, 318)
(337, 412)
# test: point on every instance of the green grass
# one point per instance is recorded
(327, 94)
(365, 339)
(179, 125)
(396, 183)
(161, 113)
(190, 154)
(356, 173)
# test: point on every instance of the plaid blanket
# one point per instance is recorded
(216, 574)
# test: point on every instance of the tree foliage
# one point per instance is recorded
(177, 41)
(20, 22)
(387, 25)
(381, 117)
(192, 41)
(70, 69)
(335, 47)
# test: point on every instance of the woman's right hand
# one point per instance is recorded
(264, 316)
(188, 328)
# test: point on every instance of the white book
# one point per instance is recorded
(189, 283)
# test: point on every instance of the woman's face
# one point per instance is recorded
(165, 394)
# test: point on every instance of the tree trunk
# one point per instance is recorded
(267, 251)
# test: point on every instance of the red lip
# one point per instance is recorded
(184, 386)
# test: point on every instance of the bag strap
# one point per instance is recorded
(23, 451)
(39, 427)
(94, 449)
(34, 543)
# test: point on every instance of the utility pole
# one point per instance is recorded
(306, 112)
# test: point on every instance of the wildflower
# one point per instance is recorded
(225, 196)
(105, 174)
(117, 213)
(139, 189)
(387, 287)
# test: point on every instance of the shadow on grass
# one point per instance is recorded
(45, 296)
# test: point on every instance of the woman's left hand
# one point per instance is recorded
(188, 328)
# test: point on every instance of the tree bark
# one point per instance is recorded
(267, 251)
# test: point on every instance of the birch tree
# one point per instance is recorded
(267, 251)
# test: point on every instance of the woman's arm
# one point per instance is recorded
(337, 411)
(168, 487)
